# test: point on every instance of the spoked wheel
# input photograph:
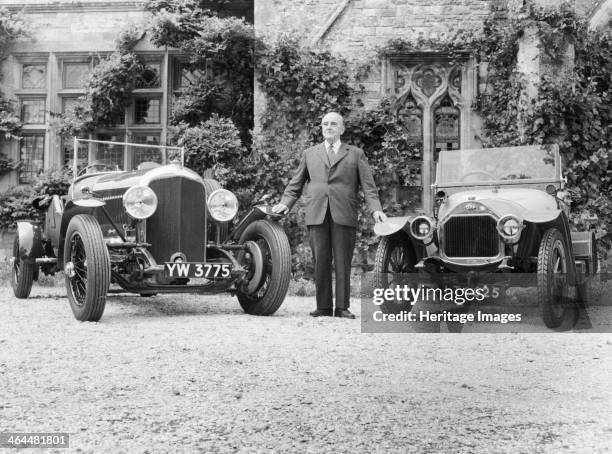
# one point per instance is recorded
(394, 259)
(268, 262)
(555, 306)
(87, 268)
(22, 275)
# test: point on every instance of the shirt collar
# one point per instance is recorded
(335, 145)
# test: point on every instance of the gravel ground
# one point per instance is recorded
(190, 373)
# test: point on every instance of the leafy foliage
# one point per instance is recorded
(220, 57)
(214, 144)
(573, 108)
(108, 89)
(303, 84)
(18, 203)
(13, 28)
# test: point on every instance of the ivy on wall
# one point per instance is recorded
(108, 89)
(573, 111)
(572, 107)
(13, 28)
(219, 53)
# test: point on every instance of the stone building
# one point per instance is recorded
(433, 93)
(45, 75)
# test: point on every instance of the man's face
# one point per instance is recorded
(332, 127)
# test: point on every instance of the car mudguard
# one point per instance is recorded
(257, 212)
(392, 225)
(30, 241)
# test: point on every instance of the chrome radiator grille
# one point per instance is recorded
(179, 223)
(471, 236)
(114, 208)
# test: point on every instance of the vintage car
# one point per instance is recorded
(497, 211)
(136, 218)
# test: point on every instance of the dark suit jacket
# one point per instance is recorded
(336, 184)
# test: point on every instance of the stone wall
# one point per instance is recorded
(356, 29)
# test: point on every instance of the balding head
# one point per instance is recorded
(332, 126)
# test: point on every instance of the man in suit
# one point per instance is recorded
(332, 173)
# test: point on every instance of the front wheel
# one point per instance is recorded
(268, 265)
(87, 268)
(22, 275)
(394, 259)
(553, 289)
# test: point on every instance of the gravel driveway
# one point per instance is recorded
(192, 373)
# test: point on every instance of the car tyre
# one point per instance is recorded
(276, 259)
(22, 274)
(556, 309)
(394, 257)
(86, 251)
(211, 185)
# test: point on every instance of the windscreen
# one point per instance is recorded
(497, 165)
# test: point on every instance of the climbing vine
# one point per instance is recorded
(572, 107)
(108, 89)
(573, 111)
(13, 28)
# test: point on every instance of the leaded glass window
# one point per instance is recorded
(34, 76)
(446, 126)
(150, 77)
(33, 111)
(32, 152)
(146, 154)
(110, 154)
(432, 97)
(75, 75)
(147, 110)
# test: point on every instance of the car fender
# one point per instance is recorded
(30, 241)
(561, 223)
(540, 217)
(255, 214)
(73, 208)
(392, 225)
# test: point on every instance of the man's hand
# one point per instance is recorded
(379, 216)
(280, 208)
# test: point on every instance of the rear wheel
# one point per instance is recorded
(553, 290)
(394, 259)
(87, 268)
(269, 268)
(222, 228)
(22, 273)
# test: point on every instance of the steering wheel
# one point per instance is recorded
(478, 172)
(97, 166)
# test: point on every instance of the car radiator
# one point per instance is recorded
(471, 236)
(179, 223)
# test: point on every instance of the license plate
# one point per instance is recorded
(198, 269)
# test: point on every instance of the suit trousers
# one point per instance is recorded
(329, 239)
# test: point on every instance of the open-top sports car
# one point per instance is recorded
(135, 217)
(497, 210)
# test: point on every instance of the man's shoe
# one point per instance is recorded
(321, 313)
(344, 313)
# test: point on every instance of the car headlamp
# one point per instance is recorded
(421, 228)
(509, 227)
(222, 205)
(140, 202)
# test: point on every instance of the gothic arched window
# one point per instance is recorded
(432, 95)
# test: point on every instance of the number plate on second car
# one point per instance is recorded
(197, 269)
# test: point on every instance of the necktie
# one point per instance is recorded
(330, 153)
